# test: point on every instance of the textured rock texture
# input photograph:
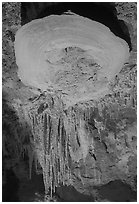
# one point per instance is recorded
(128, 13)
(108, 124)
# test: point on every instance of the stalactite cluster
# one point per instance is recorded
(59, 138)
(50, 141)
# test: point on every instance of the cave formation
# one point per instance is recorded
(73, 142)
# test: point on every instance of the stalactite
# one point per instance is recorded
(51, 176)
(54, 173)
(31, 158)
(46, 177)
(58, 139)
(100, 108)
(59, 145)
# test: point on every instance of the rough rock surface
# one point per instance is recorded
(111, 122)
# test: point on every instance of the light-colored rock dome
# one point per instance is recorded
(70, 54)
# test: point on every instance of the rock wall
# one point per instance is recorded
(111, 124)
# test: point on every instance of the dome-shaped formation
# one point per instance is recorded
(70, 54)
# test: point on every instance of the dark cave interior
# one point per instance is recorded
(115, 191)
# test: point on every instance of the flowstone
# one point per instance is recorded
(71, 55)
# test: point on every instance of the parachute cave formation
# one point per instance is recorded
(69, 101)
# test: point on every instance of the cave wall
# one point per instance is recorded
(116, 142)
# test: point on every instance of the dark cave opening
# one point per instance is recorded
(23, 189)
(11, 187)
(103, 12)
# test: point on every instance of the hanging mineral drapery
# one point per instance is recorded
(50, 140)
(59, 138)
